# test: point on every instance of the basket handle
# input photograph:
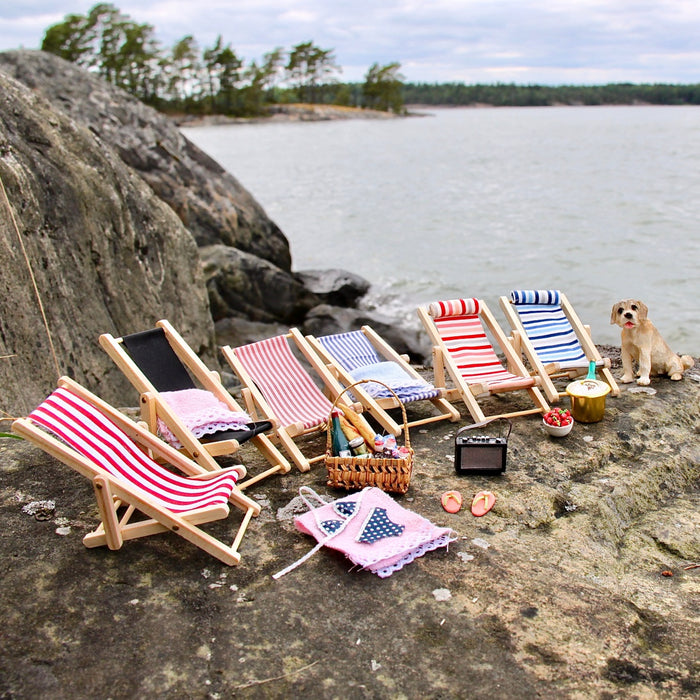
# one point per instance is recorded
(482, 423)
(407, 440)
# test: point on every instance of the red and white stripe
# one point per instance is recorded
(466, 341)
(454, 307)
(93, 435)
(285, 384)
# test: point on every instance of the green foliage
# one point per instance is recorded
(308, 67)
(216, 80)
(510, 95)
(382, 88)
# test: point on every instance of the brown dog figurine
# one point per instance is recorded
(642, 343)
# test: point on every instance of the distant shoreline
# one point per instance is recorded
(287, 113)
(317, 112)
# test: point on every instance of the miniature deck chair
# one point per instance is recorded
(548, 332)
(461, 346)
(114, 452)
(364, 354)
(161, 366)
(279, 387)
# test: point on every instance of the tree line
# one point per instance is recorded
(509, 95)
(213, 80)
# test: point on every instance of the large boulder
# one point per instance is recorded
(245, 286)
(85, 248)
(209, 201)
(336, 287)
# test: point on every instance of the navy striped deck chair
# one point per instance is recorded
(364, 355)
(549, 333)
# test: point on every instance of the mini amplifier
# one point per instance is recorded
(481, 454)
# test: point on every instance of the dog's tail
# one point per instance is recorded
(687, 361)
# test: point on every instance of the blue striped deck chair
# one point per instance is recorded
(364, 355)
(547, 330)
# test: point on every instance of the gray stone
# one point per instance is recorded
(209, 201)
(105, 254)
(583, 589)
(334, 287)
(244, 285)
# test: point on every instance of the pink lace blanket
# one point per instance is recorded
(371, 529)
(202, 413)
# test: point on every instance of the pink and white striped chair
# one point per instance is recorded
(278, 388)
(114, 452)
(462, 348)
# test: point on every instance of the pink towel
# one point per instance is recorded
(202, 413)
(371, 529)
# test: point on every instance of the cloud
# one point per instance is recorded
(525, 41)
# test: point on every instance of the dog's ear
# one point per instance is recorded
(613, 314)
(642, 309)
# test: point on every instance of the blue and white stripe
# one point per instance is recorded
(548, 328)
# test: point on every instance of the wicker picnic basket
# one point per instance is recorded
(386, 473)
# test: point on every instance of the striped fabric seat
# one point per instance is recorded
(356, 354)
(352, 350)
(463, 336)
(97, 438)
(549, 330)
(285, 384)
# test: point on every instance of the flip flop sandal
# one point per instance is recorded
(482, 503)
(451, 501)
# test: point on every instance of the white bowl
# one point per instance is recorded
(558, 430)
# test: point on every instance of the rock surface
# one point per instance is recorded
(106, 254)
(210, 202)
(561, 591)
(88, 171)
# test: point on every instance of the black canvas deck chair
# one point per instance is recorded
(170, 377)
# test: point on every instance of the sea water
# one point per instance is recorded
(602, 203)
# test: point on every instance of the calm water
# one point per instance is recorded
(601, 202)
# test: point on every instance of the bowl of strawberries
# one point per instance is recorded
(558, 422)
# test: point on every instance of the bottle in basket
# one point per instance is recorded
(340, 444)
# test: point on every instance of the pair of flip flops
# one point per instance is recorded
(483, 502)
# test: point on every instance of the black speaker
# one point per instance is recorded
(481, 454)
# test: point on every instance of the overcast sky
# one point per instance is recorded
(522, 41)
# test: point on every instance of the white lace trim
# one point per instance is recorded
(438, 542)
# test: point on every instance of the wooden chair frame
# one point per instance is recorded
(378, 407)
(523, 346)
(113, 494)
(443, 364)
(153, 406)
(258, 407)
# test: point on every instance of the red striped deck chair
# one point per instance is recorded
(364, 355)
(184, 402)
(549, 333)
(462, 348)
(90, 436)
(281, 389)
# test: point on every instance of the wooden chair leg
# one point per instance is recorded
(108, 512)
